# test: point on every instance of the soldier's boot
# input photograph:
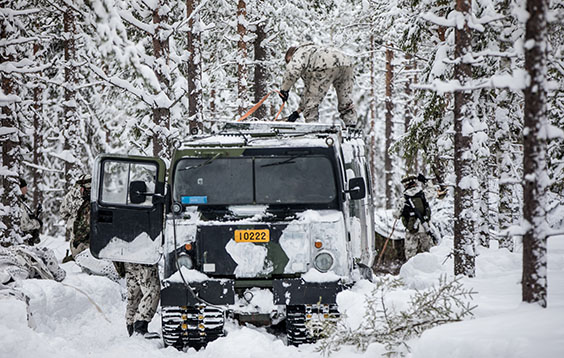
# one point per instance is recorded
(140, 328)
(68, 258)
(130, 329)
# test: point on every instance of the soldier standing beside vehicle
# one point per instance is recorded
(319, 67)
(69, 207)
(80, 242)
(415, 215)
(143, 294)
(30, 223)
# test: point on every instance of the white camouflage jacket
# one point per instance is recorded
(28, 223)
(312, 58)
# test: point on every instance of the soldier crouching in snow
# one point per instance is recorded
(319, 67)
(415, 215)
(143, 294)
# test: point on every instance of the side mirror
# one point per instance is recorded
(357, 188)
(137, 192)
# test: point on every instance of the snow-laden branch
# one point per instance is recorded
(132, 20)
(125, 85)
(65, 155)
(7, 130)
(23, 66)
(521, 230)
(458, 19)
(11, 12)
(17, 41)
(491, 53)
(176, 27)
(9, 99)
(72, 6)
(42, 168)
(5, 172)
(516, 81)
(477, 57)
(160, 100)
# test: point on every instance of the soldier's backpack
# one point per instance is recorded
(409, 217)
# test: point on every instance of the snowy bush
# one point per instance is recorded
(384, 324)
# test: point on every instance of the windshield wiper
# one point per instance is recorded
(202, 164)
(285, 161)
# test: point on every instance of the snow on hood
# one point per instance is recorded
(256, 211)
(315, 276)
(250, 258)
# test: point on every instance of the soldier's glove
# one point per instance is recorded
(295, 115)
(284, 95)
(422, 178)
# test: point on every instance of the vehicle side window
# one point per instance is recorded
(117, 177)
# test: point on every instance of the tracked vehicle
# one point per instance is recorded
(263, 223)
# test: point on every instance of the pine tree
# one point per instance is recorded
(535, 176)
(10, 171)
(194, 76)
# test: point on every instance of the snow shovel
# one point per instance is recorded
(386, 243)
(259, 103)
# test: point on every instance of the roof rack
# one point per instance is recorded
(243, 133)
(266, 129)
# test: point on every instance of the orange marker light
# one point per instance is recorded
(188, 247)
(318, 244)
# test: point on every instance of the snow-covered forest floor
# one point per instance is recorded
(68, 324)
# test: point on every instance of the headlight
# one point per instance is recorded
(177, 208)
(185, 261)
(323, 261)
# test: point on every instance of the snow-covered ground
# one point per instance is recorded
(83, 316)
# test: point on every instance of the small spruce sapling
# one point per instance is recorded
(447, 302)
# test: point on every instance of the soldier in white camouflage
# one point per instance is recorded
(69, 209)
(30, 223)
(80, 242)
(319, 67)
(143, 294)
(415, 214)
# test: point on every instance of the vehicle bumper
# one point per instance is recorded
(222, 292)
(217, 292)
(299, 292)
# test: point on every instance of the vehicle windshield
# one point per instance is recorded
(282, 180)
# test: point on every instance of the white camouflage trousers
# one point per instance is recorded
(415, 243)
(316, 87)
(143, 292)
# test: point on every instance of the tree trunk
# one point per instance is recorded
(194, 66)
(161, 115)
(260, 71)
(410, 107)
(389, 124)
(212, 102)
(37, 135)
(71, 129)
(372, 108)
(535, 177)
(241, 57)
(10, 228)
(506, 206)
(464, 255)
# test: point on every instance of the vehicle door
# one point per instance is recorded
(127, 208)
